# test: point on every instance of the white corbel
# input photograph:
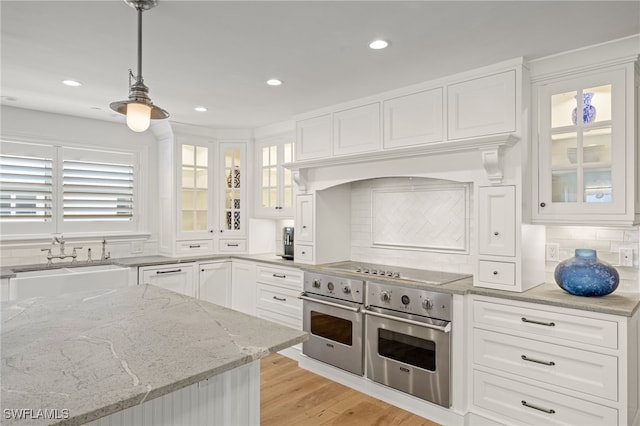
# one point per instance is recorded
(300, 180)
(492, 162)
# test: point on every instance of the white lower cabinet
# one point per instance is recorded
(537, 364)
(278, 289)
(4, 289)
(175, 277)
(214, 282)
(243, 286)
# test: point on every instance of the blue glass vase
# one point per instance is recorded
(588, 110)
(586, 275)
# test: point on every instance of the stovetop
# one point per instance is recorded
(373, 270)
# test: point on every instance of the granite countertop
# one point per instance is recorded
(96, 353)
(155, 260)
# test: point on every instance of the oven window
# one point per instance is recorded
(407, 349)
(333, 328)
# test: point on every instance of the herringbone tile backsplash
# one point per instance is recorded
(412, 222)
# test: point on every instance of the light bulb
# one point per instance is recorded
(138, 116)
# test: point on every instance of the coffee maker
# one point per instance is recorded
(287, 242)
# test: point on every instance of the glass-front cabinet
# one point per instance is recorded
(582, 147)
(211, 193)
(275, 182)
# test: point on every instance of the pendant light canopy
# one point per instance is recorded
(138, 108)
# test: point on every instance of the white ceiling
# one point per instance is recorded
(218, 54)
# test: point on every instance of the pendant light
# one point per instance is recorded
(138, 108)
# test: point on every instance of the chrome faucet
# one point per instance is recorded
(105, 255)
(62, 254)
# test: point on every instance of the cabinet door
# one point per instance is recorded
(275, 182)
(313, 137)
(357, 130)
(177, 278)
(413, 119)
(482, 106)
(195, 191)
(214, 284)
(243, 287)
(497, 214)
(234, 190)
(582, 156)
(304, 218)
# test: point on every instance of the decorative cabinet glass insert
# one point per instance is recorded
(582, 146)
(275, 186)
(232, 221)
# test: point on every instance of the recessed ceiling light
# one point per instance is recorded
(71, 83)
(200, 109)
(274, 82)
(378, 44)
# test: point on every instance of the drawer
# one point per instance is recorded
(532, 405)
(530, 322)
(285, 277)
(583, 371)
(303, 253)
(279, 318)
(232, 245)
(194, 247)
(279, 300)
(501, 273)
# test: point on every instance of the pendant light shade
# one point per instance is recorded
(138, 108)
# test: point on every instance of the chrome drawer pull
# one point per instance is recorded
(173, 271)
(545, 410)
(548, 324)
(232, 244)
(194, 245)
(279, 275)
(525, 358)
(281, 299)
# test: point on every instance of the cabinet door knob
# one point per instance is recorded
(543, 204)
(496, 233)
(304, 226)
(495, 272)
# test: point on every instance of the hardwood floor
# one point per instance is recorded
(290, 395)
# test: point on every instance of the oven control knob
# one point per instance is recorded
(316, 283)
(405, 299)
(385, 296)
(346, 289)
(330, 286)
(427, 304)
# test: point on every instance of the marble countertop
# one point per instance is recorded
(96, 353)
(617, 303)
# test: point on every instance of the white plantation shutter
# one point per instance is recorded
(26, 189)
(93, 191)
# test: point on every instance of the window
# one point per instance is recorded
(26, 194)
(46, 189)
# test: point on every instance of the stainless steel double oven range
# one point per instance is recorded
(390, 325)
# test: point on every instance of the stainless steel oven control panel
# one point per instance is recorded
(409, 300)
(334, 286)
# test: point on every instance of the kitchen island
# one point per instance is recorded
(162, 357)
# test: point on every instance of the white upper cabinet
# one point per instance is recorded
(413, 119)
(313, 137)
(584, 142)
(275, 187)
(195, 190)
(233, 195)
(482, 106)
(482, 110)
(356, 129)
(304, 218)
(497, 221)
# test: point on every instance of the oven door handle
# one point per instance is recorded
(323, 302)
(445, 329)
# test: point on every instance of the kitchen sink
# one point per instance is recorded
(52, 282)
